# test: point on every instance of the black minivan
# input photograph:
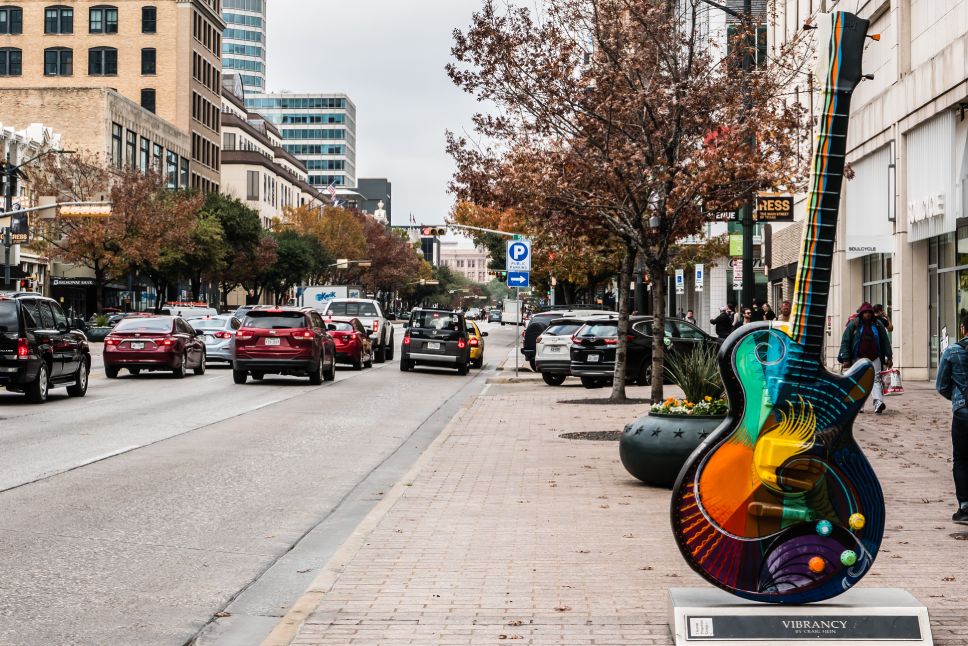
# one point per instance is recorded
(39, 350)
(436, 338)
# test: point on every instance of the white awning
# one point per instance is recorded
(868, 206)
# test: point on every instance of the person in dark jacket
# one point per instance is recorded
(865, 338)
(745, 318)
(952, 383)
(724, 322)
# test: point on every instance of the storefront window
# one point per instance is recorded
(948, 289)
(877, 280)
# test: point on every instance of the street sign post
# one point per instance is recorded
(519, 256)
(519, 279)
(700, 276)
(680, 281)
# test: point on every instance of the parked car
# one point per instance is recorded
(39, 349)
(370, 313)
(218, 335)
(494, 316)
(473, 314)
(593, 349)
(283, 341)
(151, 344)
(352, 341)
(539, 322)
(476, 340)
(552, 349)
(436, 338)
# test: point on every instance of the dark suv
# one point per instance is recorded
(283, 341)
(39, 350)
(436, 338)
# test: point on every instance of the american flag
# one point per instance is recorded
(332, 191)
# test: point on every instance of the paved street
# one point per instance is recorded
(136, 514)
(511, 532)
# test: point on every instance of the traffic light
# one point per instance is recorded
(433, 231)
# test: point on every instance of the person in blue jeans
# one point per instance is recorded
(865, 338)
(952, 383)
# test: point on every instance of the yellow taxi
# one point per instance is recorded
(476, 341)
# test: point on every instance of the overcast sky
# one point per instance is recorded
(389, 57)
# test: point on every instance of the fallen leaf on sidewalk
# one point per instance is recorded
(628, 536)
(221, 614)
(647, 567)
(562, 608)
(948, 578)
(302, 571)
(583, 551)
(603, 506)
(515, 622)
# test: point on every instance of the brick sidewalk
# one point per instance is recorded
(511, 533)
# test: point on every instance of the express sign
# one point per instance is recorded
(774, 207)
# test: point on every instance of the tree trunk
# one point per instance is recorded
(657, 272)
(99, 280)
(621, 350)
(196, 284)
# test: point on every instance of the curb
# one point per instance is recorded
(288, 627)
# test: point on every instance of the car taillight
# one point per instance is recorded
(302, 334)
(111, 340)
(538, 340)
(474, 342)
(574, 339)
(610, 341)
(376, 325)
(167, 342)
(223, 335)
(406, 340)
(461, 344)
(23, 349)
(243, 335)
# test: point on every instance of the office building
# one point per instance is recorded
(164, 55)
(244, 42)
(471, 263)
(320, 130)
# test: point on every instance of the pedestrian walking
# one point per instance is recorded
(690, 317)
(785, 308)
(882, 316)
(865, 338)
(724, 322)
(767, 311)
(746, 317)
(952, 383)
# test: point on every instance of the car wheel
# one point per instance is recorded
(239, 376)
(358, 362)
(38, 389)
(390, 349)
(79, 389)
(258, 376)
(111, 372)
(463, 369)
(316, 374)
(553, 380)
(534, 367)
(380, 356)
(645, 373)
(592, 382)
(200, 370)
(369, 362)
(406, 365)
(330, 375)
(181, 370)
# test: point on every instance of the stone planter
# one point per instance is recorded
(654, 447)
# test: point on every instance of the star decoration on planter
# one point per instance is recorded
(704, 435)
(679, 433)
(656, 432)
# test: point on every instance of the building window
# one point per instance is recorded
(132, 149)
(11, 61)
(171, 171)
(58, 20)
(877, 280)
(156, 152)
(183, 178)
(117, 144)
(58, 61)
(148, 61)
(104, 20)
(11, 20)
(144, 155)
(102, 61)
(252, 185)
(148, 99)
(149, 20)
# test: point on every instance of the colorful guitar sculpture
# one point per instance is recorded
(779, 504)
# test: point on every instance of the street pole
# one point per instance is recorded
(747, 212)
(517, 331)
(7, 208)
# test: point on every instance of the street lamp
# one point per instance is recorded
(9, 176)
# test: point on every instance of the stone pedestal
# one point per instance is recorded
(859, 617)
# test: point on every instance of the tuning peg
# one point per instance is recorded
(869, 77)
(874, 36)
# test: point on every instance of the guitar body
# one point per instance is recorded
(779, 504)
(749, 502)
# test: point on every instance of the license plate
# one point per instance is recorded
(273, 341)
(433, 346)
(554, 348)
(137, 346)
(594, 358)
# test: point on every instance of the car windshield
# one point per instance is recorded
(352, 309)
(275, 320)
(144, 325)
(209, 324)
(436, 321)
(562, 330)
(8, 317)
(600, 330)
(339, 326)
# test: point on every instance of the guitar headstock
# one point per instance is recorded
(840, 50)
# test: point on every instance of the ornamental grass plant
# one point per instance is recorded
(697, 374)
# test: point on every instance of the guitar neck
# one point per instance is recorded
(809, 312)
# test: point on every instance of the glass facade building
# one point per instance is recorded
(319, 129)
(244, 42)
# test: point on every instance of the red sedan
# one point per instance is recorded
(165, 343)
(352, 341)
